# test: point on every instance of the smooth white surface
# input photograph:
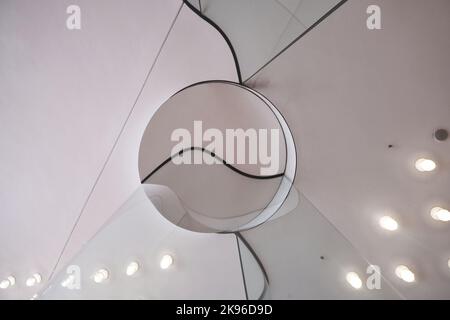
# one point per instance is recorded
(64, 96)
(388, 223)
(348, 92)
(204, 266)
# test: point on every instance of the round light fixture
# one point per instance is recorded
(440, 214)
(166, 261)
(66, 282)
(425, 165)
(12, 280)
(404, 273)
(132, 268)
(100, 275)
(36, 278)
(354, 280)
(388, 223)
(8, 282)
(4, 284)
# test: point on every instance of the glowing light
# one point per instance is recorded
(354, 280)
(388, 223)
(166, 261)
(70, 279)
(438, 213)
(425, 165)
(404, 273)
(33, 280)
(101, 275)
(132, 268)
(8, 282)
(4, 284)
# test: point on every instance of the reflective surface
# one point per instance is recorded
(259, 29)
(201, 176)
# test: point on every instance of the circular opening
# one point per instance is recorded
(217, 157)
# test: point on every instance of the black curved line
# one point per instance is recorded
(212, 154)
(258, 261)
(315, 24)
(242, 268)
(230, 45)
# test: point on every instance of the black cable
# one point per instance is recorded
(212, 154)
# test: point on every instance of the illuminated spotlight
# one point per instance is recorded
(132, 268)
(448, 263)
(354, 280)
(166, 261)
(33, 280)
(8, 282)
(4, 284)
(70, 279)
(100, 275)
(425, 165)
(438, 213)
(405, 274)
(12, 280)
(388, 223)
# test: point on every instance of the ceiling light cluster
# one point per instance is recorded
(390, 224)
(102, 275)
(10, 281)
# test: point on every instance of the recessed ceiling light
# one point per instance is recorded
(66, 282)
(166, 261)
(425, 165)
(438, 213)
(8, 282)
(33, 280)
(448, 263)
(100, 275)
(404, 273)
(12, 280)
(4, 284)
(132, 268)
(354, 280)
(388, 223)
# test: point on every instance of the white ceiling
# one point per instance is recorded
(347, 93)
(64, 96)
